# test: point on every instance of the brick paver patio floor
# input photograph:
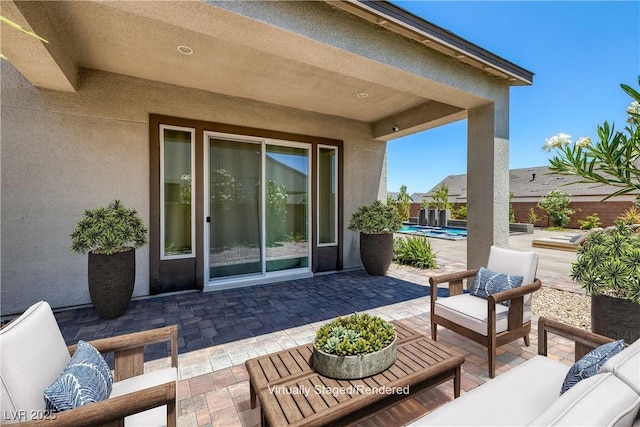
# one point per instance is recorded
(218, 331)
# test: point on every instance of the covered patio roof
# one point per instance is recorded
(345, 65)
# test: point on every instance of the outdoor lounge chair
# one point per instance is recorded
(487, 321)
(563, 243)
(33, 354)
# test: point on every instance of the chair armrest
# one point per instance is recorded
(516, 306)
(133, 340)
(452, 277)
(585, 341)
(134, 343)
(112, 409)
(520, 291)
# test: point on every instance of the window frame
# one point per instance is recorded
(336, 176)
(192, 132)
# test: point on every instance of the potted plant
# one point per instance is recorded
(110, 235)
(608, 267)
(356, 346)
(376, 223)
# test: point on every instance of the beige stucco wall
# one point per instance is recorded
(62, 153)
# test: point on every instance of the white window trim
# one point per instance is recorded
(192, 131)
(335, 213)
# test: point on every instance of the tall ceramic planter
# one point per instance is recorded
(111, 281)
(376, 253)
(615, 318)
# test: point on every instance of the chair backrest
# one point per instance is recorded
(510, 261)
(32, 354)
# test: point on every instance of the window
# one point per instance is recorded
(177, 192)
(327, 195)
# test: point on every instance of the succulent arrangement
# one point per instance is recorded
(357, 334)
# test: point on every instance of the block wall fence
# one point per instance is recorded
(607, 211)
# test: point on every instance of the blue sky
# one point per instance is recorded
(580, 52)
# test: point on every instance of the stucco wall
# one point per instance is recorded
(63, 153)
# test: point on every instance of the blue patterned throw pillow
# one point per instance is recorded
(488, 282)
(591, 363)
(86, 379)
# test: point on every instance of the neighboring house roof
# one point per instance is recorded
(529, 182)
(393, 194)
(416, 197)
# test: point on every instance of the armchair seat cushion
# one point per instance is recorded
(471, 312)
(152, 417)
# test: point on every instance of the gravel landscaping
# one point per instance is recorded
(567, 307)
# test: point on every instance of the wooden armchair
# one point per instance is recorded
(488, 322)
(33, 353)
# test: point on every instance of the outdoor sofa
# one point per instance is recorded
(529, 394)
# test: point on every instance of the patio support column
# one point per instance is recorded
(487, 180)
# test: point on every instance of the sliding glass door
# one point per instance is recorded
(287, 211)
(258, 213)
(235, 238)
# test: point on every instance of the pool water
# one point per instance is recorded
(449, 233)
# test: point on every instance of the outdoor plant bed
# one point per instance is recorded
(354, 347)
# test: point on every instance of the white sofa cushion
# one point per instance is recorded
(33, 354)
(153, 417)
(511, 399)
(472, 313)
(601, 400)
(626, 366)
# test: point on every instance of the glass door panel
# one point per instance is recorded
(235, 230)
(286, 207)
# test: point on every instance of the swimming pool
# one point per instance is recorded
(449, 233)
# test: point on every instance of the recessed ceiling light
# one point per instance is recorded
(362, 94)
(185, 50)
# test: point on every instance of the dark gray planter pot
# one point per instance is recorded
(111, 281)
(615, 318)
(354, 367)
(376, 253)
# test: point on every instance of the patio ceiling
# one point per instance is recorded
(233, 55)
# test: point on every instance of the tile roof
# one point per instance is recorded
(529, 182)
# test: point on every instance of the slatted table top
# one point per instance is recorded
(292, 393)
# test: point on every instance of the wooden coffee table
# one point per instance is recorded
(292, 393)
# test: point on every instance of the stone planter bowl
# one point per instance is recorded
(354, 367)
